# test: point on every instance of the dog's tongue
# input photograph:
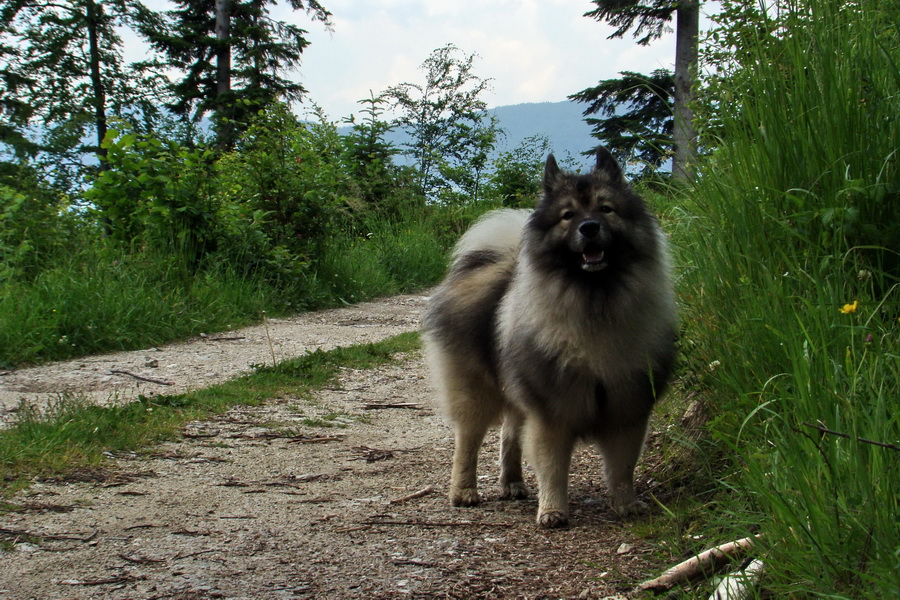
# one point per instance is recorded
(593, 257)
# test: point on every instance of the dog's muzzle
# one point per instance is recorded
(594, 237)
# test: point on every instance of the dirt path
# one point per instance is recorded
(206, 360)
(263, 503)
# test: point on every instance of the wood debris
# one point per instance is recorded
(139, 377)
(706, 562)
(419, 494)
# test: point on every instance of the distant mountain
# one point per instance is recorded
(561, 122)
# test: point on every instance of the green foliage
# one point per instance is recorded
(789, 246)
(637, 121)
(292, 180)
(156, 193)
(35, 226)
(446, 121)
(182, 240)
(370, 155)
(99, 299)
(515, 179)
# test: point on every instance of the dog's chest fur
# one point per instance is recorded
(584, 341)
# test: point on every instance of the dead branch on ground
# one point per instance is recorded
(705, 562)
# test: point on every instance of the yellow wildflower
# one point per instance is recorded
(849, 309)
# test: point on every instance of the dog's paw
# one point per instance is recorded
(552, 519)
(464, 497)
(632, 508)
(513, 490)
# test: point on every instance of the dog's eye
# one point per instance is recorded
(606, 209)
(568, 215)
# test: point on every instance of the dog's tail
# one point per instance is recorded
(498, 232)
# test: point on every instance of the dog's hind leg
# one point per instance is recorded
(512, 484)
(472, 414)
(550, 453)
(621, 449)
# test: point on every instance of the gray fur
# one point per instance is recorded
(559, 323)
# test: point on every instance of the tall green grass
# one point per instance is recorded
(98, 299)
(95, 300)
(795, 218)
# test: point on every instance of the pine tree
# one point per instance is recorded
(64, 73)
(234, 58)
(649, 20)
(636, 111)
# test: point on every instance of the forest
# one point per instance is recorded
(137, 209)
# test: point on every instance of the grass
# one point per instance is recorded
(793, 217)
(73, 435)
(96, 299)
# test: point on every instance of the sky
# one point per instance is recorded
(532, 50)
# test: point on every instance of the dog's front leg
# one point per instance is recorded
(550, 453)
(621, 450)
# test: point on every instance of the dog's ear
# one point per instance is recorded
(551, 172)
(607, 167)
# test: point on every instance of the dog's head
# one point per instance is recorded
(590, 223)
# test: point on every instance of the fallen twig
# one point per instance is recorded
(434, 523)
(315, 440)
(414, 562)
(48, 536)
(821, 428)
(192, 554)
(104, 581)
(423, 492)
(147, 379)
(372, 454)
(705, 562)
(140, 560)
(379, 405)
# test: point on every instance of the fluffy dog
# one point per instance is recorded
(559, 322)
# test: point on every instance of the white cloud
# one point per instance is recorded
(534, 50)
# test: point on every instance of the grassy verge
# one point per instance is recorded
(790, 284)
(97, 299)
(74, 435)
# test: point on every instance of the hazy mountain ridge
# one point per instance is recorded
(562, 123)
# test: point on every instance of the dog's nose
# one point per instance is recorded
(589, 229)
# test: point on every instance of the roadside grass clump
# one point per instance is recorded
(789, 247)
(98, 300)
(72, 435)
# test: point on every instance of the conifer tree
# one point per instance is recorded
(648, 20)
(235, 58)
(65, 75)
(635, 116)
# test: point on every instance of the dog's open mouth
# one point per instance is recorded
(593, 259)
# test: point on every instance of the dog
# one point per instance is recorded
(560, 323)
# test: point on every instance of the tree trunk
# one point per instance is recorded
(223, 71)
(99, 99)
(684, 134)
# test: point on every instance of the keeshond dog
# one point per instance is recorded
(559, 322)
